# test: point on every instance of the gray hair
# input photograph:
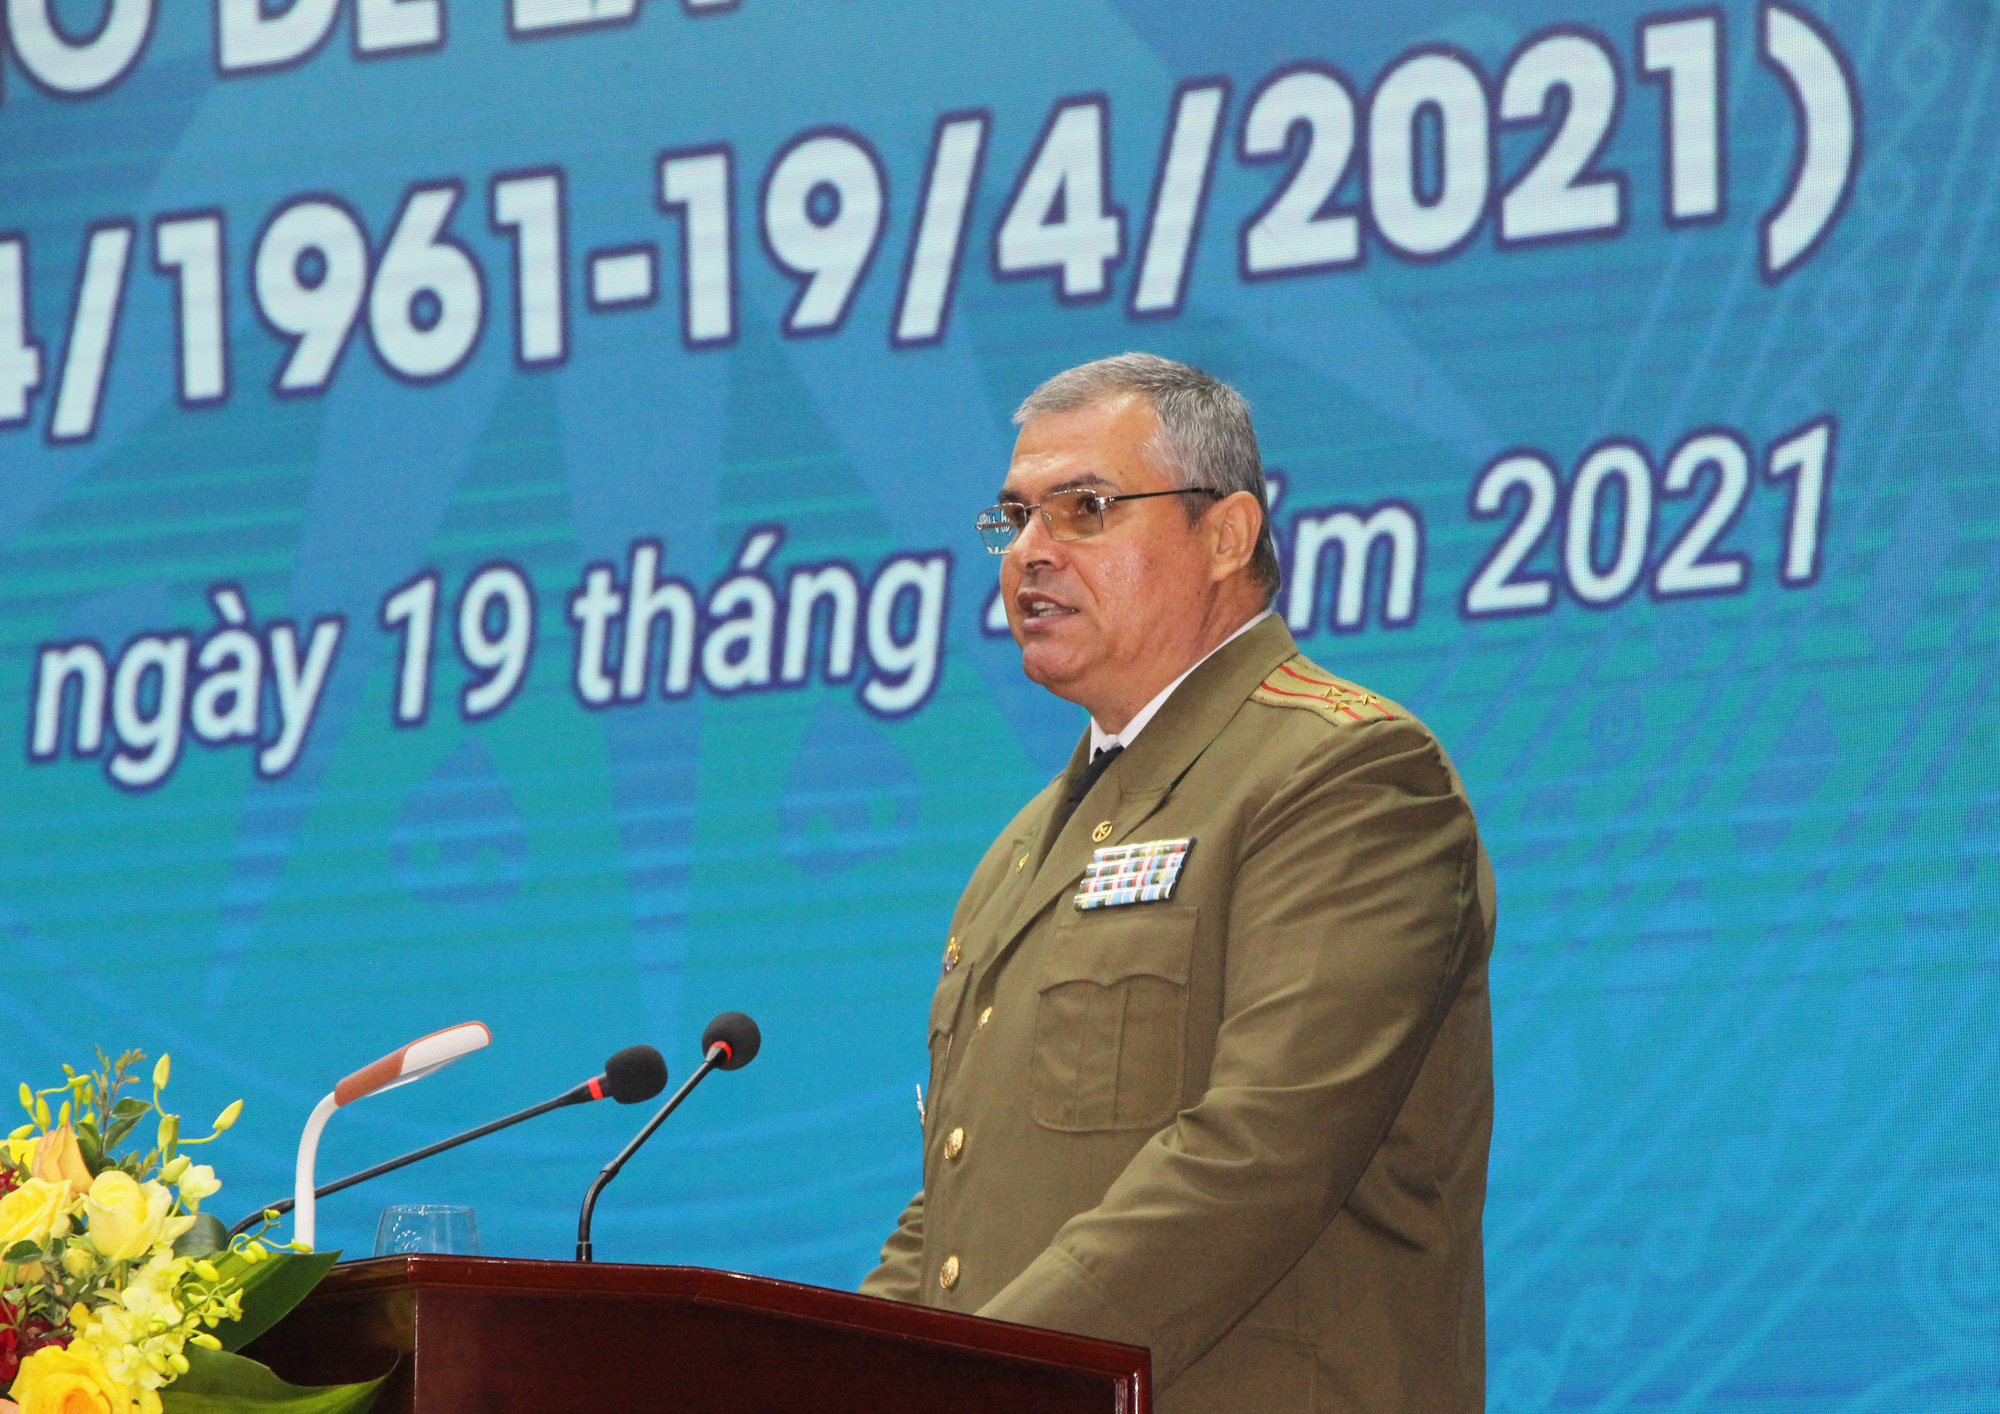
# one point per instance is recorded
(1205, 434)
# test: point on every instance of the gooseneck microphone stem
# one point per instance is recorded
(284, 1205)
(717, 1054)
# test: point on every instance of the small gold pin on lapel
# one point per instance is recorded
(951, 954)
(1102, 832)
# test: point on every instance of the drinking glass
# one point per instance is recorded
(427, 1227)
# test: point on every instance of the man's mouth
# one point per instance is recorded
(1036, 606)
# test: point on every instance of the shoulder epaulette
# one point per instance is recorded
(1300, 682)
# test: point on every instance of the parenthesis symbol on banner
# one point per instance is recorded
(1806, 57)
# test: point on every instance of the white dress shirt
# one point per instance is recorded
(1101, 740)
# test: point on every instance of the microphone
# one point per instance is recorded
(730, 1043)
(633, 1075)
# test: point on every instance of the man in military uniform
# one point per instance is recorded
(1211, 1055)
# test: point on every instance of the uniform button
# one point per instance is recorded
(1102, 832)
(985, 1016)
(950, 954)
(954, 1143)
(1020, 864)
(948, 1273)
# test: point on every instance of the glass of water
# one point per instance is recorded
(427, 1227)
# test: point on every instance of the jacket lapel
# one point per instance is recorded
(1140, 780)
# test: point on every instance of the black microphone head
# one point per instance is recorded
(634, 1074)
(737, 1034)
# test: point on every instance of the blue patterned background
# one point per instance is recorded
(1747, 1009)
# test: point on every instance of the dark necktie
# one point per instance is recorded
(1099, 764)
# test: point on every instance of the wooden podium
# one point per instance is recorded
(478, 1335)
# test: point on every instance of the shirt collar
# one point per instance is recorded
(1101, 740)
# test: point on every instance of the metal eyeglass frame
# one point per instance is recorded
(983, 525)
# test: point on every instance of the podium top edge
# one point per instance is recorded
(419, 1272)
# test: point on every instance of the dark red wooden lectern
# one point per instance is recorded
(477, 1335)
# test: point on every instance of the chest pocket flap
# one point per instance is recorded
(1111, 1017)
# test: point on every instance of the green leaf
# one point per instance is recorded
(91, 1147)
(270, 1289)
(21, 1252)
(218, 1383)
(124, 1115)
(206, 1236)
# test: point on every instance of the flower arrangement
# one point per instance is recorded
(118, 1295)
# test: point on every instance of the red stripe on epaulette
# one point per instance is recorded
(1316, 697)
(1369, 698)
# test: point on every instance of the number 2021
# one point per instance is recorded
(1605, 518)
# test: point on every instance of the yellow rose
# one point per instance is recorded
(20, 1151)
(35, 1212)
(57, 1156)
(54, 1381)
(125, 1218)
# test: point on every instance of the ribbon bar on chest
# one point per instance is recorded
(1133, 873)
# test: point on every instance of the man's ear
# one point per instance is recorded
(1233, 524)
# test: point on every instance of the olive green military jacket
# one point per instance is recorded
(1246, 1125)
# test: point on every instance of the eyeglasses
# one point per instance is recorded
(1069, 515)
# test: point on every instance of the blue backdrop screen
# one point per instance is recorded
(485, 533)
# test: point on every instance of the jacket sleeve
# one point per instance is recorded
(1354, 916)
(900, 1276)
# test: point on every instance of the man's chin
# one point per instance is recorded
(1050, 665)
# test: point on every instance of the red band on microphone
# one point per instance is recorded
(723, 1046)
(597, 1088)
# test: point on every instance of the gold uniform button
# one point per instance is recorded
(1020, 864)
(948, 1273)
(985, 1016)
(1102, 832)
(950, 954)
(954, 1143)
